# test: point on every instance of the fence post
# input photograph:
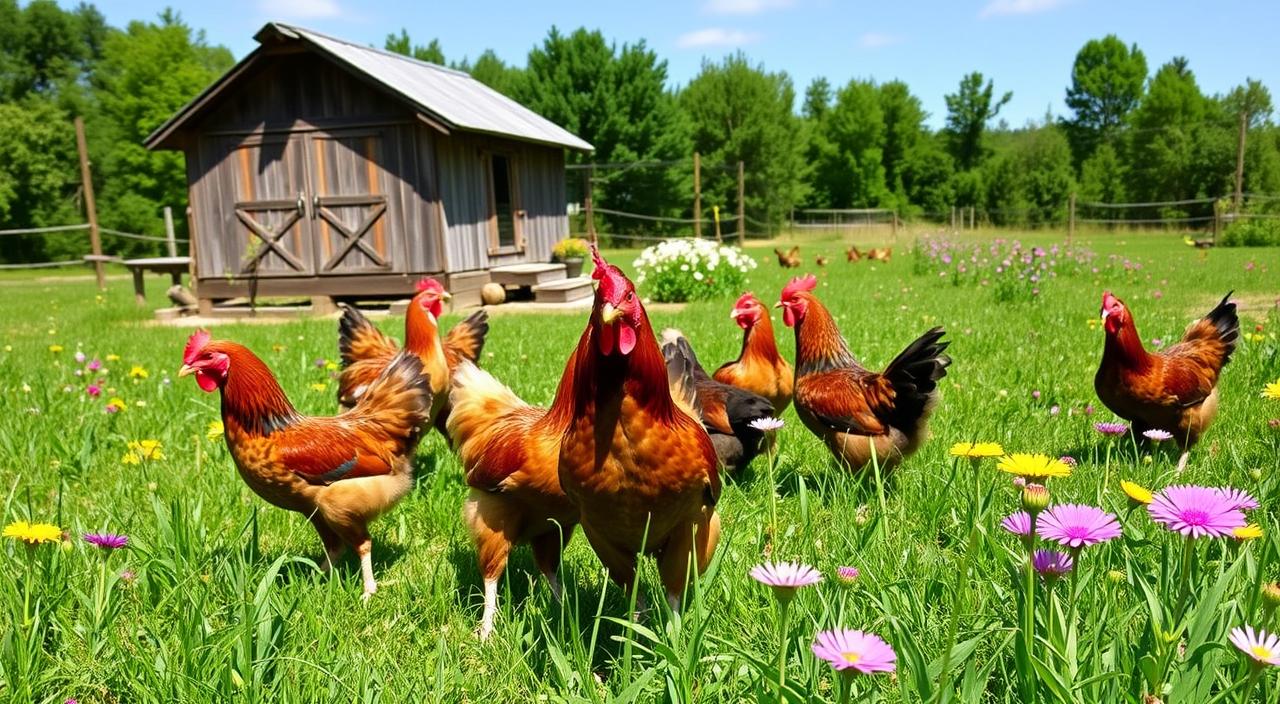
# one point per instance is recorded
(895, 225)
(953, 218)
(697, 195)
(1239, 195)
(742, 211)
(91, 210)
(1071, 217)
(973, 217)
(586, 199)
(169, 241)
(715, 213)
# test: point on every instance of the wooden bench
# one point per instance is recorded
(173, 266)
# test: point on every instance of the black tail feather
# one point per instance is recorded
(351, 324)
(1227, 323)
(914, 375)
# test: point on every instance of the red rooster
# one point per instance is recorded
(341, 471)
(637, 463)
(759, 368)
(510, 451)
(1175, 390)
(366, 351)
(859, 414)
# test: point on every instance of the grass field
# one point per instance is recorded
(222, 600)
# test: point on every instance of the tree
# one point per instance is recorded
(968, 112)
(1103, 176)
(1106, 85)
(37, 175)
(903, 128)
(927, 177)
(1029, 184)
(1163, 153)
(850, 172)
(740, 112)
(493, 72)
(817, 99)
(400, 44)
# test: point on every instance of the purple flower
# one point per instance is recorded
(1157, 435)
(1113, 429)
(785, 577)
(1077, 525)
(106, 541)
(320, 363)
(1018, 523)
(1069, 461)
(93, 390)
(1052, 564)
(847, 574)
(1088, 409)
(94, 365)
(1196, 511)
(866, 653)
(1239, 498)
(1035, 395)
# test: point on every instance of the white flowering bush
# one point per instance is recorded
(680, 270)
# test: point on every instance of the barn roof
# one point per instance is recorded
(451, 97)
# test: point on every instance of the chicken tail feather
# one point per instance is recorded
(1222, 323)
(399, 401)
(914, 376)
(357, 337)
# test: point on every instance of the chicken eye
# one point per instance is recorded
(631, 295)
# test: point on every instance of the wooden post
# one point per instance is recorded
(586, 198)
(715, 213)
(742, 210)
(895, 226)
(169, 241)
(1239, 195)
(973, 217)
(953, 218)
(91, 210)
(1071, 217)
(698, 195)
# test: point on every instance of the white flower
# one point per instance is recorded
(766, 424)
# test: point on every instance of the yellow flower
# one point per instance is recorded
(55, 348)
(215, 431)
(1136, 492)
(1030, 466)
(113, 358)
(146, 449)
(138, 372)
(130, 458)
(33, 533)
(277, 347)
(976, 450)
(1272, 390)
(331, 366)
(117, 403)
(319, 386)
(1254, 337)
(1249, 532)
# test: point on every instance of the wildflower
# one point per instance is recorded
(1112, 429)
(277, 347)
(976, 450)
(1035, 498)
(320, 363)
(128, 576)
(1077, 525)
(1018, 523)
(106, 541)
(785, 577)
(130, 458)
(55, 348)
(1052, 564)
(1261, 647)
(1271, 594)
(1035, 395)
(766, 424)
(1272, 390)
(115, 405)
(79, 357)
(113, 358)
(844, 649)
(1252, 531)
(1136, 492)
(215, 431)
(848, 575)
(319, 386)
(93, 390)
(33, 533)
(1069, 461)
(1195, 511)
(1035, 467)
(94, 365)
(1239, 498)
(147, 449)
(1055, 410)
(137, 372)
(1116, 576)
(1157, 435)
(331, 366)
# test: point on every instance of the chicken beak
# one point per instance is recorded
(608, 314)
(186, 370)
(779, 304)
(446, 296)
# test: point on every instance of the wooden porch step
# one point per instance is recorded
(564, 290)
(530, 274)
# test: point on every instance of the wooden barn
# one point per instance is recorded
(317, 167)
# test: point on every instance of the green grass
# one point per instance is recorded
(226, 603)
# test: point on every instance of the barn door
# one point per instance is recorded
(349, 206)
(269, 217)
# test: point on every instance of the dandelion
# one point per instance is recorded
(1136, 492)
(1051, 564)
(113, 358)
(1195, 511)
(848, 575)
(147, 449)
(137, 372)
(1111, 429)
(1157, 435)
(319, 386)
(130, 458)
(331, 366)
(1077, 526)
(1261, 647)
(277, 347)
(1252, 531)
(106, 541)
(56, 349)
(866, 653)
(976, 450)
(766, 424)
(115, 405)
(215, 431)
(1272, 390)
(33, 533)
(1033, 467)
(1239, 498)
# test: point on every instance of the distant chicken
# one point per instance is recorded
(788, 260)
(859, 414)
(1175, 390)
(820, 260)
(635, 460)
(366, 351)
(759, 367)
(341, 472)
(880, 255)
(852, 254)
(510, 452)
(726, 411)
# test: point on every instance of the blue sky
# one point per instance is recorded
(1027, 46)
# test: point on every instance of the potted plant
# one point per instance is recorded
(572, 252)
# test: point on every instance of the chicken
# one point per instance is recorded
(510, 451)
(859, 414)
(820, 260)
(1175, 390)
(852, 254)
(759, 368)
(635, 460)
(880, 255)
(341, 472)
(366, 351)
(788, 260)
(726, 411)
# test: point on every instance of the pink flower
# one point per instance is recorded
(1018, 523)
(1196, 511)
(847, 574)
(1157, 435)
(93, 390)
(1051, 564)
(866, 653)
(785, 577)
(1261, 647)
(1069, 461)
(1239, 498)
(1112, 429)
(1077, 525)
(94, 365)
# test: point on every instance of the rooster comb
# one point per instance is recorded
(601, 266)
(428, 284)
(195, 343)
(808, 282)
(745, 300)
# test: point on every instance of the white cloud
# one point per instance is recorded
(876, 40)
(745, 7)
(301, 9)
(1019, 7)
(715, 36)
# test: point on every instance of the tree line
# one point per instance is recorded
(1129, 135)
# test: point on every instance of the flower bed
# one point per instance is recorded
(680, 270)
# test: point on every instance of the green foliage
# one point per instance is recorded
(1166, 126)
(1263, 231)
(1102, 176)
(37, 176)
(968, 111)
(687, 269)
(850, 171)
(1030, 184)
(1106, 84)
(401, 44)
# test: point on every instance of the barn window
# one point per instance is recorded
(504, 228)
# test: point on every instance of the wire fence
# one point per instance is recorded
(79, 227)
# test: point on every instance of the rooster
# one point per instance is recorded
(820, 260)
(859, 414)
(788, 260)
(510, 451)
(759, 368)
(342, 471)
(366, 351)
(880, 255)
(852, 254)
(635, 460)
(1175, 390)
(726, 411)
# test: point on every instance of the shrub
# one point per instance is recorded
(570, 248)
(680, 270)
(1252, 232)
